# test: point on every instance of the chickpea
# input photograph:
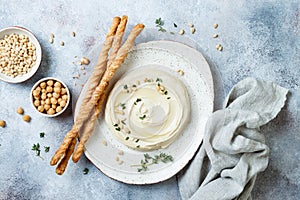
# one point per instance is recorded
(57, 89)
(41, 108)
(48, 101)
(49, 89)
(36, 103)
(53, 100)
(2, 123)
(50, 82)
(26, 118)
(47, 107)
(49, 95)
(38, 89)
(51, 111)
(43, 102)
(56, 95)
(20, 111)
(57, 84)
(35, 93)
(63, 103)
(65, 97)
(43, 85)
(63, 91)
(58, 109)
(44, 96)
(59, 100)
(53, 106)
(37, 97)
(44, 90)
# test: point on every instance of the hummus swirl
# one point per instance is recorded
(147, 109)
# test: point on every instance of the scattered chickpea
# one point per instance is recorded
(20, 111)
(26, 118)
(2, 123)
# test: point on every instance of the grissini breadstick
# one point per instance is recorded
(61, 167)
(73, 133)
(101, 88)
(117, 40)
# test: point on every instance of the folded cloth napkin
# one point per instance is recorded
(233, 149)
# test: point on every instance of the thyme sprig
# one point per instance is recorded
(149, 160)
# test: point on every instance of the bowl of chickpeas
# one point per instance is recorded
(20, 54)
(50, 96)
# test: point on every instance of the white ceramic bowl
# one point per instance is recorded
(43, 80)
(32, 38)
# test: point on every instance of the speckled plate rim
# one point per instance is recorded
(158, 176)
(34, 40)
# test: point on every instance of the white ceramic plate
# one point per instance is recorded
(32, 38)
(199, 83)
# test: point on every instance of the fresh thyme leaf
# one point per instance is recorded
(162, 29)
(159, 80)
(143, 117)
(175, 25)
(127, 138)
(137, 140)
(47, 149)
(123, 122)
(116, 125)
(138, 100)
(118, 128)
(125, 87)
(172, 33)
(166, 92)
(133, 85)
(122, 105)
(159, 22)
(149, 160)
(168, 97)
(36, 148)
(42, 134)
(85, 171)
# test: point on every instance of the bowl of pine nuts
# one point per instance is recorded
(50, 97)
(20, 54)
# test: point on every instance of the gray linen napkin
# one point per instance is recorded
(233, 149)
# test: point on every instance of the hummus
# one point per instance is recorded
(147, 109)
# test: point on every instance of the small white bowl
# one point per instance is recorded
(44, 80)
(32, 38)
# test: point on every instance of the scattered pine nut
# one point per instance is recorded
(181, 32)
(121, 162)
(85, 61)
(219, 47)
(51, 40)
(79, 63)
(216, 25)
(192, 30)
(20, 111)
(215, 35)
(2, 123)
(117, 158)
(104, 142)
(120, 152)
(180, 72)
(26, 118)
(51, 35)
(191, 25)
(73, 34)
(62, 43)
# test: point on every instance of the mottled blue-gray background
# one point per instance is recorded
(260, 39)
